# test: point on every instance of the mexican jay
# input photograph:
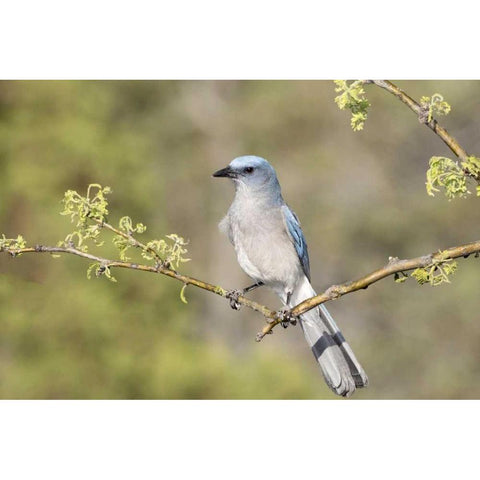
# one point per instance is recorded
(272, 250)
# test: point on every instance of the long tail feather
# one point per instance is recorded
(358, 373)
(341, 370)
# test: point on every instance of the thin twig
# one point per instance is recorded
(131, 239)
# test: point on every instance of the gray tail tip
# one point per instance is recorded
(360, 380)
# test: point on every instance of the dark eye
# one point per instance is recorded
(248, 169)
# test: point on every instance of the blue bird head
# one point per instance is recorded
(252, 172)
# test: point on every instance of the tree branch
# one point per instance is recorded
(394, 266)
(422, 115)
(158, 268)
(273, 317)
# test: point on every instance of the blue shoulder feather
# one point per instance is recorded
(296, 235)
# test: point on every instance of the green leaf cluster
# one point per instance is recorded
(171, 251)
(438, 272)
(100, 269)
(446, 173)
(123, 243)
(352, 97)
(12, 243)
(434, 105)
(89, 213)
(94, 206)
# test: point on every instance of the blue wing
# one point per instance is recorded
(296, 235)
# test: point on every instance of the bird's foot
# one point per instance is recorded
(286, 318)
(233, 295)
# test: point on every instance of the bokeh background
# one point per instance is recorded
(360, 197)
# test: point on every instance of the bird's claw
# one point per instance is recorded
(286, 318)
(233, 295)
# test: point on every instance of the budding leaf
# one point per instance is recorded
(400, 279)
(435, 105)
(352, 97)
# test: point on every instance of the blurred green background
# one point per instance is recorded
(360, 197)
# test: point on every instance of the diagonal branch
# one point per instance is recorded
(273, 318)
(422, 115)
(394, 266)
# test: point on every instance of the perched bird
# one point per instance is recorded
(272, 250)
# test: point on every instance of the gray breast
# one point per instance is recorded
(264, 250)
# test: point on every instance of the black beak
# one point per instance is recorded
(225, 172)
